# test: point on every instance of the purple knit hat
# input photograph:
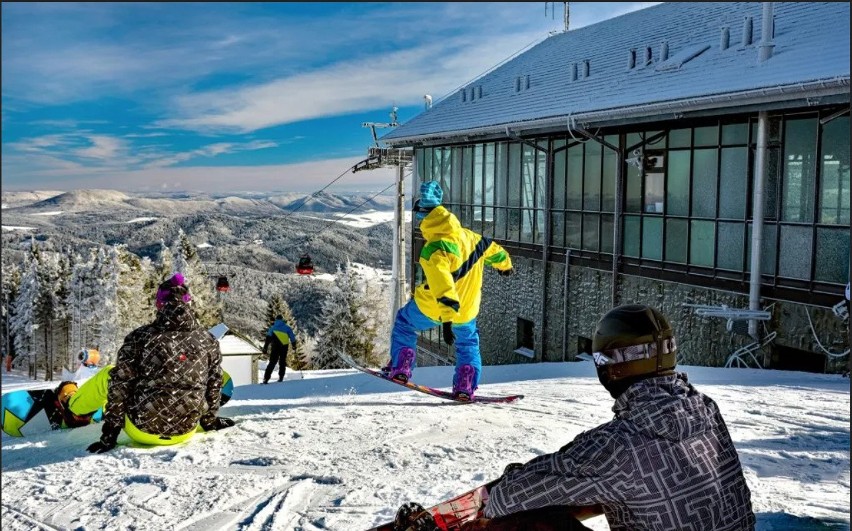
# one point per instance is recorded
(173, 289)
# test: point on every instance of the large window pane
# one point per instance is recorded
(631, 235)
(559, 165)
(834, 181)
(557, 229)
(513, 227)
(573, 229)
(478, 170)
(575, 177)
(606, 233)
(501, 219)
(680, 138)
(610, 173)
(654, 192)
(592, 177)
(676, 240)
(730, 253)
(488, 186)
(677, 189)
(795, 249)
(514, 198)
(734, 134)
(733, 183)
(770, 248)
(704, 183)
(428, 157)
(501, 181)
(488, 222)
(797, 202)
(590, 232)
(527, 225)
(528, 174)
(540, 174)
(706, 136)
(652, 238)
(702, 243)
(633, 189)
(832, 255)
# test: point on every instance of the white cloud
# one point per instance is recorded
(300, 177)
(399, 77)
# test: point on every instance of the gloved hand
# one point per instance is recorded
(217, 423)
(507, 273)
(449, 335)
(99, 447)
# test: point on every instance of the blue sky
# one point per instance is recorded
(231, 97)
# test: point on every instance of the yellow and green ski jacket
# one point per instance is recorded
(453, 260)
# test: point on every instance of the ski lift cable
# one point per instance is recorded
(305, 200)
(330, 223)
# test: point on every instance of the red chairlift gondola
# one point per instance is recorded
(222, 285)
(305, 266)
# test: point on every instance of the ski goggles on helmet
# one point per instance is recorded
(634, 352)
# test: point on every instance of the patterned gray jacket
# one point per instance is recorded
(665, 462)
(167, 375)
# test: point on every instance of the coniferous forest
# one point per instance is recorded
(80, 270)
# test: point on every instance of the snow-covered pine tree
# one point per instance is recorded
(106, 303)
(165, 265)
(23, 323)
(345, 325)
(133, 293)
(205, 303)
(11, 284)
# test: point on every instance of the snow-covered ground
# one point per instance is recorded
(340, 450)
(12, 227)
(52, 213)
(140, 220)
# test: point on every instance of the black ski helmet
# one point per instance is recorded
(631, 343)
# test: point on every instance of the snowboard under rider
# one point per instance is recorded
(279, 337)
(665, 462)
(453, 259)
(166, 380)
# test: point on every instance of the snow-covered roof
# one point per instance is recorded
(537, 89)
(231, 345)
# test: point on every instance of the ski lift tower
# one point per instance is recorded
(382, 157)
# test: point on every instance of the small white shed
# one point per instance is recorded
(239, 359)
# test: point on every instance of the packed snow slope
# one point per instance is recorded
(341, 450)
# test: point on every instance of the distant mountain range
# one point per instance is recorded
(183, 203)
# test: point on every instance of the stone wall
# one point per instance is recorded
(703, 341)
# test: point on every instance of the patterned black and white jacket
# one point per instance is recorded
(665, 462)
(167, 375)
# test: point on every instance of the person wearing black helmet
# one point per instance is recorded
(665, 462)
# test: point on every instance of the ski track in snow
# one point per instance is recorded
(341, 450)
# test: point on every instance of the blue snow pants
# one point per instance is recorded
(410, 320)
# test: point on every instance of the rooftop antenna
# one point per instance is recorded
(550, 6)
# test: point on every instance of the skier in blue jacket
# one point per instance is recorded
(279, 336)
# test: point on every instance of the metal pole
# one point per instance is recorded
(757, 221)
(565, 286)
(397, 274)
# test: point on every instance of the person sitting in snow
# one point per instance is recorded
(666, 461)
(453, 260)
(279, 336)
(166, 380)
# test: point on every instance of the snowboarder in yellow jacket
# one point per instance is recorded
(453, 260)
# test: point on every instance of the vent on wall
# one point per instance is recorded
(522, 83)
